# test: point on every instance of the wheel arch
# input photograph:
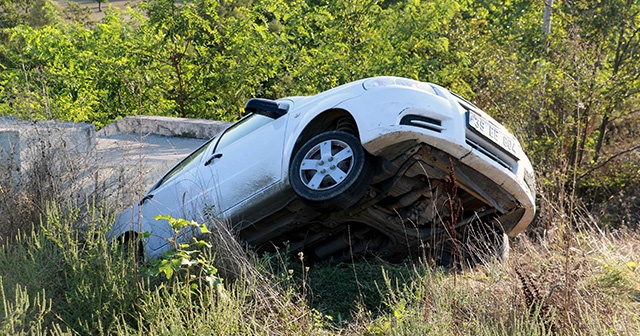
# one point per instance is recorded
(332, 119)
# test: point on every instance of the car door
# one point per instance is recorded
(248, 159)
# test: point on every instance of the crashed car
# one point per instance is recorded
(370, 167)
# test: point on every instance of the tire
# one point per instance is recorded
(132, 246)
(331, 171)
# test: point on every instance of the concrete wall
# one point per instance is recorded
(9, 157)
(72, 161)
(46, 155)
(166, 126)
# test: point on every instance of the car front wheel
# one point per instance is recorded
(331, 171)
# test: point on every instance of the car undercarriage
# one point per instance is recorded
(406, 212)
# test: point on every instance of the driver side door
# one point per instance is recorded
(248, 160)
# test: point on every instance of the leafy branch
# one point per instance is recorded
(185, 262)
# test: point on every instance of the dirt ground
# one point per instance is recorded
(93, 4)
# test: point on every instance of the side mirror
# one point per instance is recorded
(266, 107)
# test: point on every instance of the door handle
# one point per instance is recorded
(213, 157)
(144, 199)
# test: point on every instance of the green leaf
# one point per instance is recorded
(202, 244)
(164, 217)
(203, 228)
(166, 268)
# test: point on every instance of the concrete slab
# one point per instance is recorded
(167, 126)
(134, 152)
(42, 164)
(129, 163)
(26, 146)
(116, 164)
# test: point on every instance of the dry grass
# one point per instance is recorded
(582, 281)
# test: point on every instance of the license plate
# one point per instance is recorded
(501, 138)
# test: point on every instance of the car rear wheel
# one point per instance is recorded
(132, 246)
(331, 171)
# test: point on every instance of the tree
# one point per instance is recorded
(35, 13)
(13, 12)
(181, 41)
(562, 93)
(546, 17)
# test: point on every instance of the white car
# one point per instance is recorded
(363, 168)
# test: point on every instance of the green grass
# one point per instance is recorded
(55, 279)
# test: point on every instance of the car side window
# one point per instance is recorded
(186, 163)
(245, 126)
